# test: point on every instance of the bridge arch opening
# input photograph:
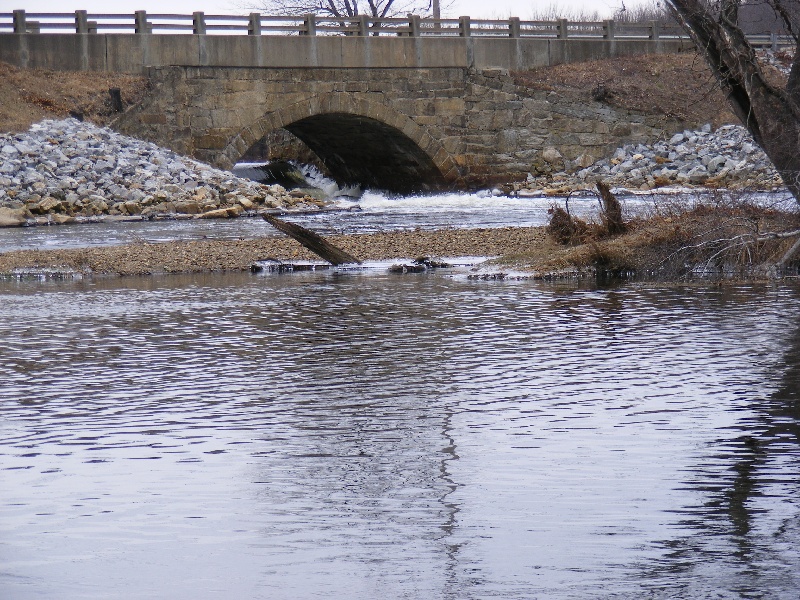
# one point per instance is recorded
(362, 150)
(360, 142)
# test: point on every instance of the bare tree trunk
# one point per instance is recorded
(770, 113)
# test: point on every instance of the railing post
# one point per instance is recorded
(142, 26)
(513, 27)
(254, 27)
(463, 27)
(562, 28)
(773, 38)
(363, 26)
(654, 30)
(413, 25)
(81, 24)
(199, 23)
(20, 26)
(608, 30)
(310, 23)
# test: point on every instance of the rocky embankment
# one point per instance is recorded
(63, 171)
(725, 158)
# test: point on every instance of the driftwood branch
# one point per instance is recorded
(744, 240)
(312, 241)
(778, 235)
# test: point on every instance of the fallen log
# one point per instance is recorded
(312, 241)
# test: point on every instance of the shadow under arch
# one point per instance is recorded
(359, 141)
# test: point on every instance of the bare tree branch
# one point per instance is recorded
(344, 8)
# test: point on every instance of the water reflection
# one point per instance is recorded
(406, 436)
(747, 524)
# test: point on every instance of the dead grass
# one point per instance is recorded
(724, 238)
(30, 95)
(677, 86)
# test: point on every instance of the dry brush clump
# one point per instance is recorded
(718, 236)
(727, 237)
(569, 230)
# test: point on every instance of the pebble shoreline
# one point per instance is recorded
(239, 255)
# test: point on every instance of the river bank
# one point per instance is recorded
(68, 171)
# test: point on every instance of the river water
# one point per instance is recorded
(355, 435)
(344, 435)
(371, 213)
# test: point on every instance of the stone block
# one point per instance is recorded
(219, 213)
(501, 120)
(153, 119)
(462, 161)
(46, 205)
(199, 121)
(488, 121)
(12, 217)
(621, 129)
(187, 207)
(591, 139)
(507, 141)
(453, 145)
(601, 127)
(240, 145)
(449, 106)
(210, 142)
(426, 121)
(238, 85)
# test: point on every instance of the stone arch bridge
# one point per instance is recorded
(399, 129)
(398, 105)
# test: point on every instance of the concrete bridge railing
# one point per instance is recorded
(199, 23)
(132, 43)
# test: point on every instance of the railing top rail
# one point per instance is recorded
(48, 15)
(20, 21)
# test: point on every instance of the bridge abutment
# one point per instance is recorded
(399, 129)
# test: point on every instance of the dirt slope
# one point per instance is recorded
(30, 95)
(679, 86)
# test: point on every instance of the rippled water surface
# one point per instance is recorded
(420, 436)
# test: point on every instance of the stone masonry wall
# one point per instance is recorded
(476, 128)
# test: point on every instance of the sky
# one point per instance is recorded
(497, 9)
